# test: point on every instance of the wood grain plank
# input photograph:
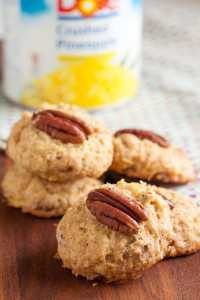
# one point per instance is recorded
(29, 271)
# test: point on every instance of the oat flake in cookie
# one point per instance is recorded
(120, 231)
(145, 155)
(43, 198)
(60, 143)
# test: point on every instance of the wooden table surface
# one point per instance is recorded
(28, 269)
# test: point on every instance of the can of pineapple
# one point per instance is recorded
(83, 52)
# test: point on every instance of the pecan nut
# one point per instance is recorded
(117, 211)
(58, 125)
(170, 203)
(145, 134)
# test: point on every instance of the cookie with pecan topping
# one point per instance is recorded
(119, 232)
(60, 143)
(145, 155)
(41, 197)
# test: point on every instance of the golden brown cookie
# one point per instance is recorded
(146, 155)
(41, 197)
(118, 233)
(60, 143)
(185, 218)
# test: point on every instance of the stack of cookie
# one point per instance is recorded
(58, 154)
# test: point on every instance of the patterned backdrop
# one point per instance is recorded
(169, 98)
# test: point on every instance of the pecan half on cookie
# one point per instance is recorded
(117, 211)
(59, 125)
(145, 134)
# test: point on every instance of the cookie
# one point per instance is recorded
(145, 155)
(185, 218)
(120, 231)
(41, 197)
(60, 143)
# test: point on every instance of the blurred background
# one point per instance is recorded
(170, 52)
